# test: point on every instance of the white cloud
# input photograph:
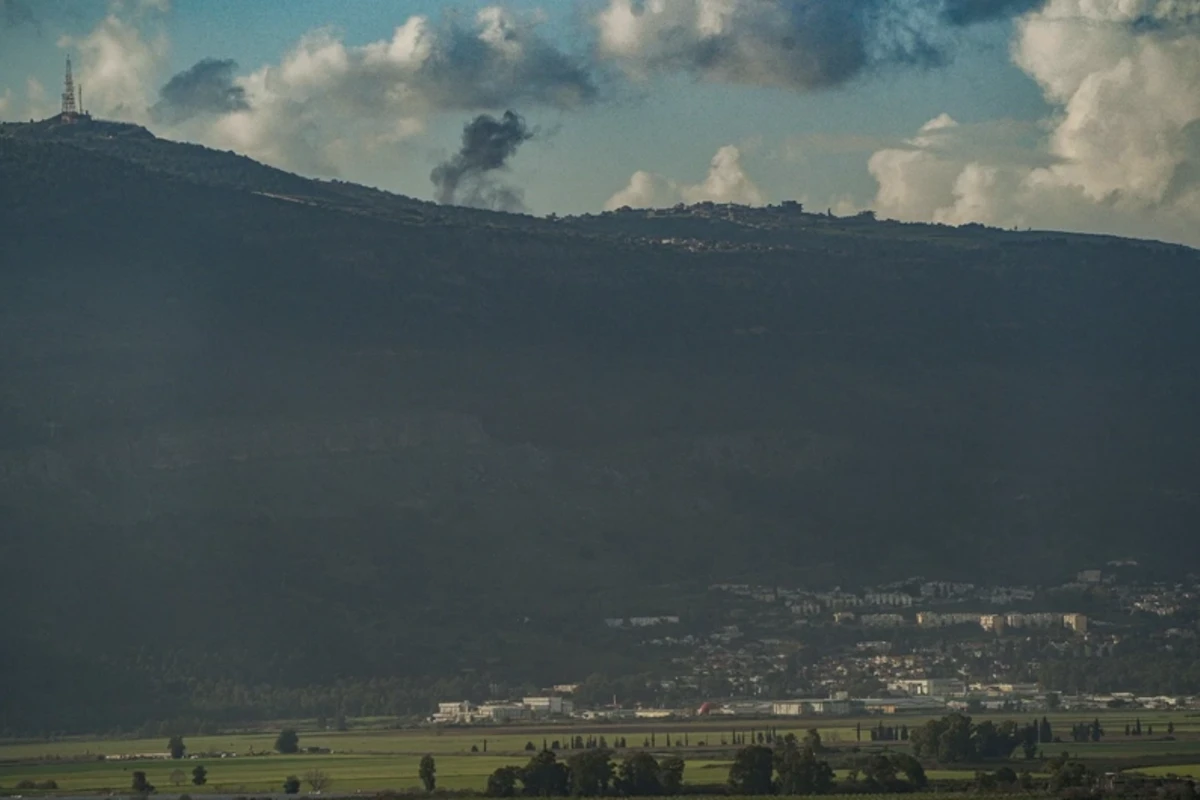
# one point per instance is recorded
(645, 190)
(119, 67)
(1122, 153)
(726, 182)
(752, 42)
(327, 101)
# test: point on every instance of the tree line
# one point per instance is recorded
(792, 767)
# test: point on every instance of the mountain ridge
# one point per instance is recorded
(368, 439)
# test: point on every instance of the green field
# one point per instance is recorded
(374, 759)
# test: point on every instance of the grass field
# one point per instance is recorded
(374, 759)
(348, 773)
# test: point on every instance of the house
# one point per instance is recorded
(1076, 622)
(457, 711)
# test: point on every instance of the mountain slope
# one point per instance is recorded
(251, 440)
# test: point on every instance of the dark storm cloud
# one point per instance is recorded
(207, 87)
(487, 145)
(794, 44)
(967, 12)
(499, 60)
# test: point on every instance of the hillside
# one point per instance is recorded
(260, 434)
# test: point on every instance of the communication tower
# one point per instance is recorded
(69, 108)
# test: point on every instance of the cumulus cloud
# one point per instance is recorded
(207, 87)
(1122, 153)
(794, 44)
(120, 61)
(487, 145)
(327, 99)
(726, 182)
(645, 190)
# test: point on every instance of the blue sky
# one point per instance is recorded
(849, 143)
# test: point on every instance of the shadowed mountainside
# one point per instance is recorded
(257, 430)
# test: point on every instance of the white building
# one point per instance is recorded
(1076, 622)
(881, 620)
(811, 707)
(927, 687)
(548, 706)
(932, 619)
(458, 711)
(888, 599)
(503, 712)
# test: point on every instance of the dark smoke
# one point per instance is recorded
(206, 87)
(487, 145)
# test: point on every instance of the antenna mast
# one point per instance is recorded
(69, 108)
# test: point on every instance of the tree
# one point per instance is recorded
(544, 776)
(812, 740)
(339, 720)
(751, 770)
(640, 775)
(503, 782)
(177, 747)
(799, 770)
(1170, 727)
(1006, 777)
(591, 772)
(288, 741)
(1045, 731)
(1066, 774)
(914, 773)
(177, 778)
(318, 780)
(199, 775)
(671, 775)
(291, 785)
(140, 784)
(427, 771)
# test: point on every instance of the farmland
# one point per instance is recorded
(365, 758)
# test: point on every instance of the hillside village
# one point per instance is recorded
(917, 646)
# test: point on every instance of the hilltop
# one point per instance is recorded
(260, 432)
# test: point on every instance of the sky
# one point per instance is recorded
(1069, 114)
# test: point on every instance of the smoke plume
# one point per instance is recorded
(207, 87)
(487, 145)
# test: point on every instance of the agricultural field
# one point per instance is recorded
(366, 759)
